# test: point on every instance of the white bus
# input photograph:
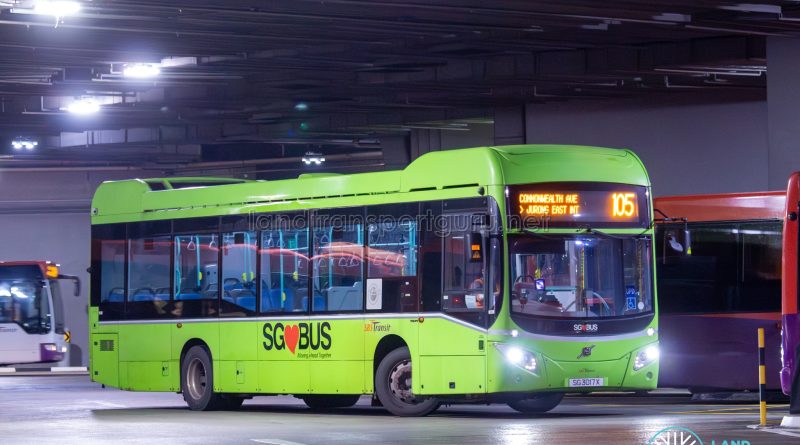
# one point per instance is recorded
(31, 313)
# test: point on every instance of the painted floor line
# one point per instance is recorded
(109, 404)
(781, 431)
(276, 442)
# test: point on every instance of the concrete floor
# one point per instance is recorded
(70, 409)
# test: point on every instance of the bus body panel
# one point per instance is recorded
(19, 347)
(711, 345)
(790, 294)
(714, 299)
(450, 356)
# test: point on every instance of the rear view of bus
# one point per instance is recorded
(31, 315)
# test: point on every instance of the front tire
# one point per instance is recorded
(539, 403)
(197, 381)
(323, 402)
(393, 386)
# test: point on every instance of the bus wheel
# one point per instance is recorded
(197, 381)
(321, 402)
(539, 403)
(393, 386)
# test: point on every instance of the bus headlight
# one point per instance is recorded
(518, 356)
(50, 347)
(645, 357)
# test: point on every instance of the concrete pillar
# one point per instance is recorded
(783, 109)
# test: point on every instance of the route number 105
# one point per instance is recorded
(624, 205)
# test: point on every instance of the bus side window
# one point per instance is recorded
(430, 257)
(196, 275)
(148, 277)
(238, 273)
(338, 278)
(284, 270)
(392, 259)
(108, 270)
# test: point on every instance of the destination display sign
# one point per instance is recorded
(575, 205)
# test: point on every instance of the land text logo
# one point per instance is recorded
(676, 435)
(294, 337)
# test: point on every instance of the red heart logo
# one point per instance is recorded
(291, 334)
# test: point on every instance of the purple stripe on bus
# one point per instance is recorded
(49, 356)
(791, 338)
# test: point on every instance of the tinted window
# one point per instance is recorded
(196, 275)
(239, 272)
(338, 268)
(284, 270)
(430, 256)
(463, 264)
(107, 288)
(392, 252)
(148, 277)
(732, 267)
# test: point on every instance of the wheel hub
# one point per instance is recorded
(400, 383)
(196, 379)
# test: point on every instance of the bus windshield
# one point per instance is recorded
(582, 276)
(23, 300)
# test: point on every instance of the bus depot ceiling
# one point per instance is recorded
(249, 79)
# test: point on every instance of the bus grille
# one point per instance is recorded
(106, 345)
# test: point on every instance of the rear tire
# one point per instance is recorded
(393, 386)
(539, 403)
(197, 381)
(323, 402)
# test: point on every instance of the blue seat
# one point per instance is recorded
(116, 296)
(229, 299)
(248, 302)
(188, 296)
(143, 297)
(319, 303)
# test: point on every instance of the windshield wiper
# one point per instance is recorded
(590, 231)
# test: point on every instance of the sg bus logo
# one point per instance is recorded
(297, 336)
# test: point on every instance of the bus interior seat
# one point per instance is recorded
(345, 298)
(319, 303)
(272, 299)
(244, 298)
(116, 295)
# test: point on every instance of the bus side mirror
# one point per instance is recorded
(75, 280)
(679, 241)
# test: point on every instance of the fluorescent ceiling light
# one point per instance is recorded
(83, 106)
(56, 8)
(313, 158)
(141, 70)
(24, 143)
(301, 106)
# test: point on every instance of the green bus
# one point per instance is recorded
(502, 274)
